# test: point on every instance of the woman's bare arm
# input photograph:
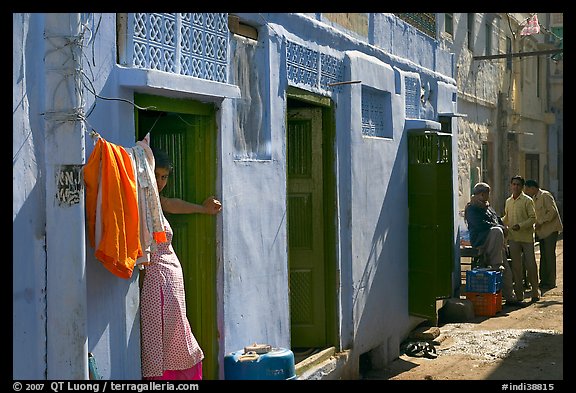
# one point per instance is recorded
(180, 206)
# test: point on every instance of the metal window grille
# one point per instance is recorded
(425, 22)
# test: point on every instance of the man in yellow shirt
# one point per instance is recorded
(548, 225)
(520, 217)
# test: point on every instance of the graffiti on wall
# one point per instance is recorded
(69, 184)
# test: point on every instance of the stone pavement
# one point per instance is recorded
(541, 358)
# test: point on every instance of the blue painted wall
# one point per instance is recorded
(252, 252)
(28, 201)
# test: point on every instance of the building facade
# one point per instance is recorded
(298, 123)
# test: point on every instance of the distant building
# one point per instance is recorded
(512, 103)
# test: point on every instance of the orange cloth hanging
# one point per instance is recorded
(119, 246)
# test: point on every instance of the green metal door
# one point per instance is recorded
(431, 221)
(306, 228)
(186, 131)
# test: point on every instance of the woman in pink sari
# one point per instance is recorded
(169, 349)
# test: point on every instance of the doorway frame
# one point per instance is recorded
(210, 305)
(330, 206)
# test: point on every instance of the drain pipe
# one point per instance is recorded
(66, 326)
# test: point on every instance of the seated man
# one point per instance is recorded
(488, 233)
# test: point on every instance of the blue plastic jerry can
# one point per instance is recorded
(260, 361)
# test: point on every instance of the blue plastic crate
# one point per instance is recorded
(483, 280)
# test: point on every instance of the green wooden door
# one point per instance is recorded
(306, 228)
(431, 221)
(186, 131)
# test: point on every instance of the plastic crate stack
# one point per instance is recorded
(484, 290)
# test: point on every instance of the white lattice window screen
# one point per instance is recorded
(412, 97)
(194, 44)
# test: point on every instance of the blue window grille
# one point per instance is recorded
(308, 67)
(331, 71)
(194, 44)
(412, 97)
(376, 113)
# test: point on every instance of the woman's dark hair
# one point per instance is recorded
(162, 159)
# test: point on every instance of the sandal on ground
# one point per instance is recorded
(413, 349)
(421, 349)
(430, 351)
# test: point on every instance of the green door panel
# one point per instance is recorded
(306, 228)
(186, 131)
(431, 221)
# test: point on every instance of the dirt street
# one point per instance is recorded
(517, 344)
